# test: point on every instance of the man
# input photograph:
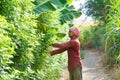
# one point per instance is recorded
(73, 49)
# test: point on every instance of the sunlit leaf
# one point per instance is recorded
(61, 35)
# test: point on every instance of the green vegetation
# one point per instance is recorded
(6, 48)
(104, 35)
(27, 29)
(92, 37)
(26, 38)
(98, 9)
(112, 40)
(107, 34)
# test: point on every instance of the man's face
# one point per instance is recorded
(71, 34)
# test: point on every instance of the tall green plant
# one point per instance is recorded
(19, 14)
(48, 26)
(112, 43)
(48, 31)
(6, 48)
(32, 39)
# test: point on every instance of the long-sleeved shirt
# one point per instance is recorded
(73, 49)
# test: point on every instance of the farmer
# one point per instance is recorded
(73, 49)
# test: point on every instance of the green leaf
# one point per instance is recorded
(44, 7)
(42, 27)
(51, 5)
(63, 1)
(59, 3)
(61, 35)
(69, 1)
(68, 14)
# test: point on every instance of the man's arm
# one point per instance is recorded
(57, 51)
(63, 45)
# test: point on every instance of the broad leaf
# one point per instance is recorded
(59, 3)
(69, 1)
(68, 14)
(44, 7)
(50, 5)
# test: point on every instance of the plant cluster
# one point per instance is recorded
(26, 39)
(106, 36)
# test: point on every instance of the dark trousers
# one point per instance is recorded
(76, 74)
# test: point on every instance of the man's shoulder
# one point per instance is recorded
(74, 41)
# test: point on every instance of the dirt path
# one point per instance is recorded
(92, 67)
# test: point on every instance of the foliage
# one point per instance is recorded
(98, 9)
(107, 35)
(67, 11)
(93, 37)
(23, 20)
(27, 39)
(109, 12)
(49, 25)
(6, 48)
(26, 43)
(112, 38)
(68, 14)
(13, 9)
(46, 22)
(23, 36)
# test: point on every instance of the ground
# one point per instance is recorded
(92, 67)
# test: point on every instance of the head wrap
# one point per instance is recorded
(75, 31)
